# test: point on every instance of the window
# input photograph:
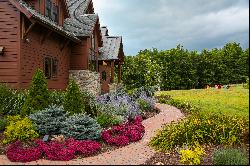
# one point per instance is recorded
(55, 14)
(54, 67)
(51, 10)
(48, 6)
(47, 67)
(50, 67)
(104, 76)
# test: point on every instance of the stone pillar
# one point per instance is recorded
(87, 80)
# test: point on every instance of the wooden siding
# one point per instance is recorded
(79, 55)
(9, 38)
(34, 52)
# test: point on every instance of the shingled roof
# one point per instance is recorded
(80, 23)
(77, 7)
(83, 25)
(31, 13)
(111, 46)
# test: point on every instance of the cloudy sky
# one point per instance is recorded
(163, 24)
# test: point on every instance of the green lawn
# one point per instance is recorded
(234, 100)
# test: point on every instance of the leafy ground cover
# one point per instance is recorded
(215, 119)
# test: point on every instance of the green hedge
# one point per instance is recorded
(179, 68)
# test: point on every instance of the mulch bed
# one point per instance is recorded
(173, 157)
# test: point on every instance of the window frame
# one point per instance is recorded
(52, 10)
(52, 68)
(104, 76)
(48, 8)
(47, 68)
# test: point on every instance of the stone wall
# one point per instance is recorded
(87, 80)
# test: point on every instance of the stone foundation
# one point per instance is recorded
(87, 80)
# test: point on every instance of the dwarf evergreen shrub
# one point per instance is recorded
(38, 96)
(49, 121)
(57, 98)
(73, 102)
(22, 130)
(81, 127)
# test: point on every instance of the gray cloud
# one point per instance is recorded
(162, 24)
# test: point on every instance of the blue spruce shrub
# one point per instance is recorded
(49, 121)
(81, 127)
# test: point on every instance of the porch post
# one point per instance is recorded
(112, 71)
(119, 73)
(97, 64)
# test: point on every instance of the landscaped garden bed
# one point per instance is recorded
(42, 124)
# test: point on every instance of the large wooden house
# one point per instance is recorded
(55, 35)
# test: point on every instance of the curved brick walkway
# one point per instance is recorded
(133, 154)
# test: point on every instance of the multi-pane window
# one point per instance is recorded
(51, 10)
(104, 76)
(48, 6)
(50, 67)
(55, 13)
(54, 67)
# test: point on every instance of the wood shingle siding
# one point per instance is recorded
(9, 39)
(33, 54)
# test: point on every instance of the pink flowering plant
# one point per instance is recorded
(122, 135)
(16, 152)
(53, 150)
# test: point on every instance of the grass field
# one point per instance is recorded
(234, 101)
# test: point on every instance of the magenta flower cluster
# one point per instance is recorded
(17, 153)
(53, 150)
(123, 134)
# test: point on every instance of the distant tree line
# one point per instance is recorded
(179, 68)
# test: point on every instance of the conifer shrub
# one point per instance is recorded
(38, 95)
(17, 129)
(81, 127)
(57, 98)
(73, 102)
(49, 120)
